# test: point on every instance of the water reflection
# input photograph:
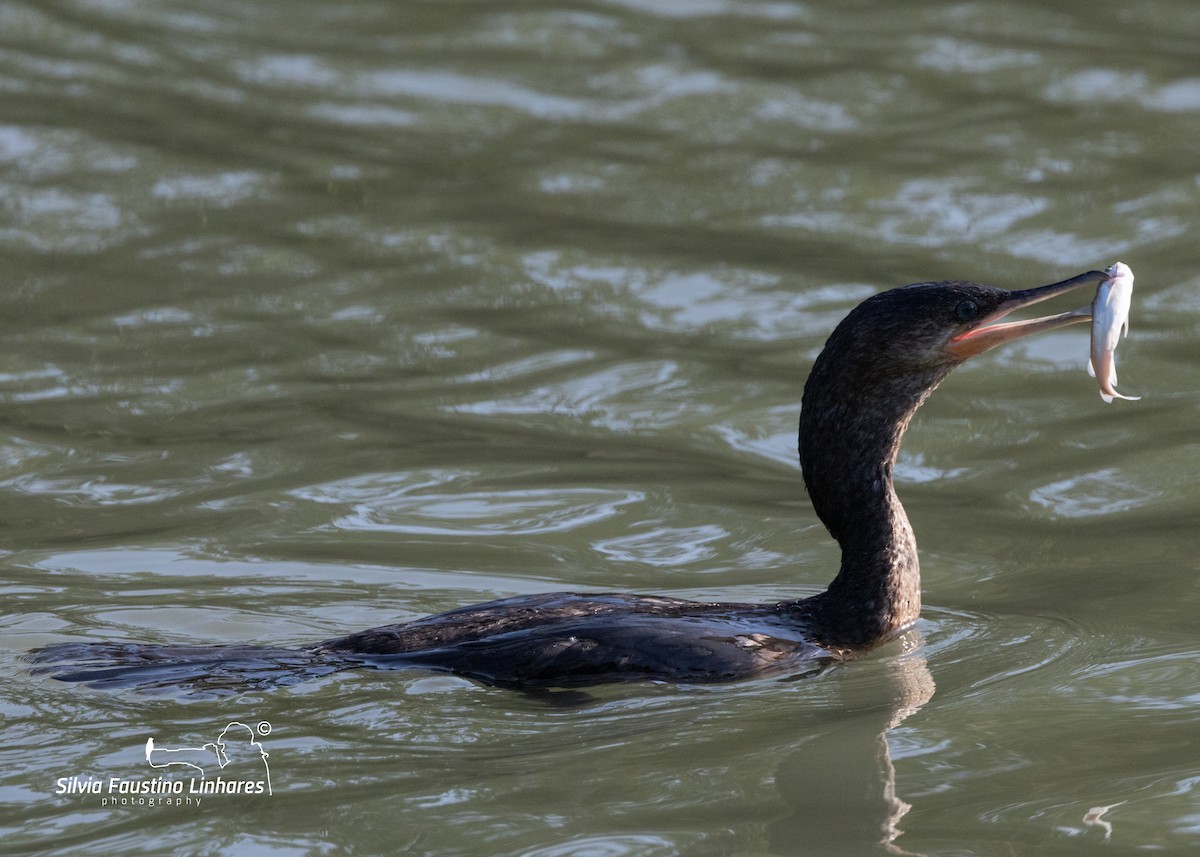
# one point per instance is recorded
(841, 785)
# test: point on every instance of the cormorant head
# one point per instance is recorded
(929, 328)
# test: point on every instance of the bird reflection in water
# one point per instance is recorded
(841, 784)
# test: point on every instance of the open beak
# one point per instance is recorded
(985, 335)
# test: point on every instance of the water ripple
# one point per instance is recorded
(1105, 492)
(610, 845)
(665, 546)
(417, 503)
(219, 189)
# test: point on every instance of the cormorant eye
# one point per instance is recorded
(967, 309)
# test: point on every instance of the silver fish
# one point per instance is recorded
(1110, 319)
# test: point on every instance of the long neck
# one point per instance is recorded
(851, 424)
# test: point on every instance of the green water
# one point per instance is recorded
(321, 316)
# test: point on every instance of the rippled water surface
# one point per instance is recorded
(321, 316)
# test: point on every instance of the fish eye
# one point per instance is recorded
(967, 309)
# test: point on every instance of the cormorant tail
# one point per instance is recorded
(205, 671)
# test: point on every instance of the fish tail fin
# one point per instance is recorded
(199, 671)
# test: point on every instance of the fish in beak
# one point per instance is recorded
(984, 334)
(1110, 318)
